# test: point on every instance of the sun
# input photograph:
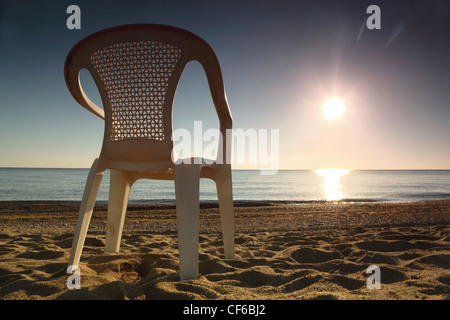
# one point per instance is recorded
(333, 108)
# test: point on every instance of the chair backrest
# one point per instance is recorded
(136, 69)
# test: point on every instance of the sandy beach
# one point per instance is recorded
(288, 252)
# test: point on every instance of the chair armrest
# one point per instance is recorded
(213, 73)
(72, 76)
(225, 125)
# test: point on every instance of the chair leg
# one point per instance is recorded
(225, 197)
(187, 185)
(87, 206)
(119, 191)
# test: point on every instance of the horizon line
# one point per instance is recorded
(258, 169)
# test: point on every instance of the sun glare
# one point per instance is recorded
(333, 108)
(332, 185)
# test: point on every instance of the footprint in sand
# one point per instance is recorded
(312, 255)
(42, 255)
(347, 283)
(377, 258)
(436, 260)
(302, 282)
(392, 246)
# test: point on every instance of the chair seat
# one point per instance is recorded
(165, 170)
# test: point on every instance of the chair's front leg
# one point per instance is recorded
(87, 206)
(187, 185)
(119, 191)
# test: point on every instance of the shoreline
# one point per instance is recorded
(237, 203)
(257, 217)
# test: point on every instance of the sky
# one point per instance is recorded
(280, 60)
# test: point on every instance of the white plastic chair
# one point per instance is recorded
(136, 69)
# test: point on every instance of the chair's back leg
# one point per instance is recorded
(225, 196)
(87, 206)
(187, 184)
(119, 192)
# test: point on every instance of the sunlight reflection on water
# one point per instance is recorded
(331, 185)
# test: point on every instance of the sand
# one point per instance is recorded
(288, 252)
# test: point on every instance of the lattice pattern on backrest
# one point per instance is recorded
(136, 76)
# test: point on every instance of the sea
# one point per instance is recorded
(287, 186)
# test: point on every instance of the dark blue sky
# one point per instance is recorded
(280, 60)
